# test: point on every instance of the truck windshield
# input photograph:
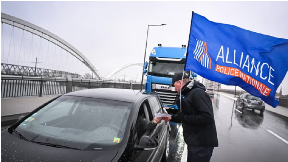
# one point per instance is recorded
(165, 68)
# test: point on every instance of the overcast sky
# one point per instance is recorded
(113, 34)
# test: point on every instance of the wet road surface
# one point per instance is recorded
(243, 136)
(176, 142)
(248, 136)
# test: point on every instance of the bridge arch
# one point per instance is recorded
(122, 68)
(19, 23)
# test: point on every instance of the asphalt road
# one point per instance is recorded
(243, 137)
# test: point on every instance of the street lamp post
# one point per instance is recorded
(35, 70)
(145, 52)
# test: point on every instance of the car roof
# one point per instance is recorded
(128, 95)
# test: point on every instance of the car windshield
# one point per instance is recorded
(250, 97)
(165, 68)
(78, 122)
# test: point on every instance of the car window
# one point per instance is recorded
(250, 97)
(150, 112)
(247, 96)
(244, 95)
(78, 122)
(143, 120)
(155, 105)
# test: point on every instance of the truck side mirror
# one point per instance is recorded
(144, 71)
(145, 65)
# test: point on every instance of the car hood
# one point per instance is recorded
(15, 149)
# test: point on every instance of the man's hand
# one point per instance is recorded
(156, 120)
(167, 118)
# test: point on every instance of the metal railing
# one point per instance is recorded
(19, 70)
(19, 86)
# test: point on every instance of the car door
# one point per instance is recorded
(161, 131)
(150, 155)
(143, 155)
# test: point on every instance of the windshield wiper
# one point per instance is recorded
(55, 145)
(20, 135)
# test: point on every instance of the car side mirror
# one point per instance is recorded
(147, 143)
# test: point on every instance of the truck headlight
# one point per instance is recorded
(153, 86)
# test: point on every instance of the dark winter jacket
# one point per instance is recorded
(142, 125)
(197, 116)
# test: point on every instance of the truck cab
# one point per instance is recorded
(164, 62)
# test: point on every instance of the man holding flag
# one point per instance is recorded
(197, 118)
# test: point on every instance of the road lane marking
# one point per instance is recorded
(238, 111)
(278, 136)
(233, 98)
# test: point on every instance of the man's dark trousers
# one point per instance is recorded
(199, 154)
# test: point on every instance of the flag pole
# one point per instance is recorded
(189, 38)
(185, 63)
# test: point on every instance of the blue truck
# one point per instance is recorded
(164, 62)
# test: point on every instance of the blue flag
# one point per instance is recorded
(234, 56)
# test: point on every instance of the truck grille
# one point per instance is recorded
(167, 97)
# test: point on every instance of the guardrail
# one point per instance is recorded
(18, 86)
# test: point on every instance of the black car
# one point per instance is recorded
(248, 101)
(89, 125)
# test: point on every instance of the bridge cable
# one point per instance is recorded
(3, 44)
(40, 47)
(10, 42)
(21, 44)
(48, 42)
(52, 57)
(14, 48)
(61, 59)
(56, 57)
(66, 61)
(30, 47)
